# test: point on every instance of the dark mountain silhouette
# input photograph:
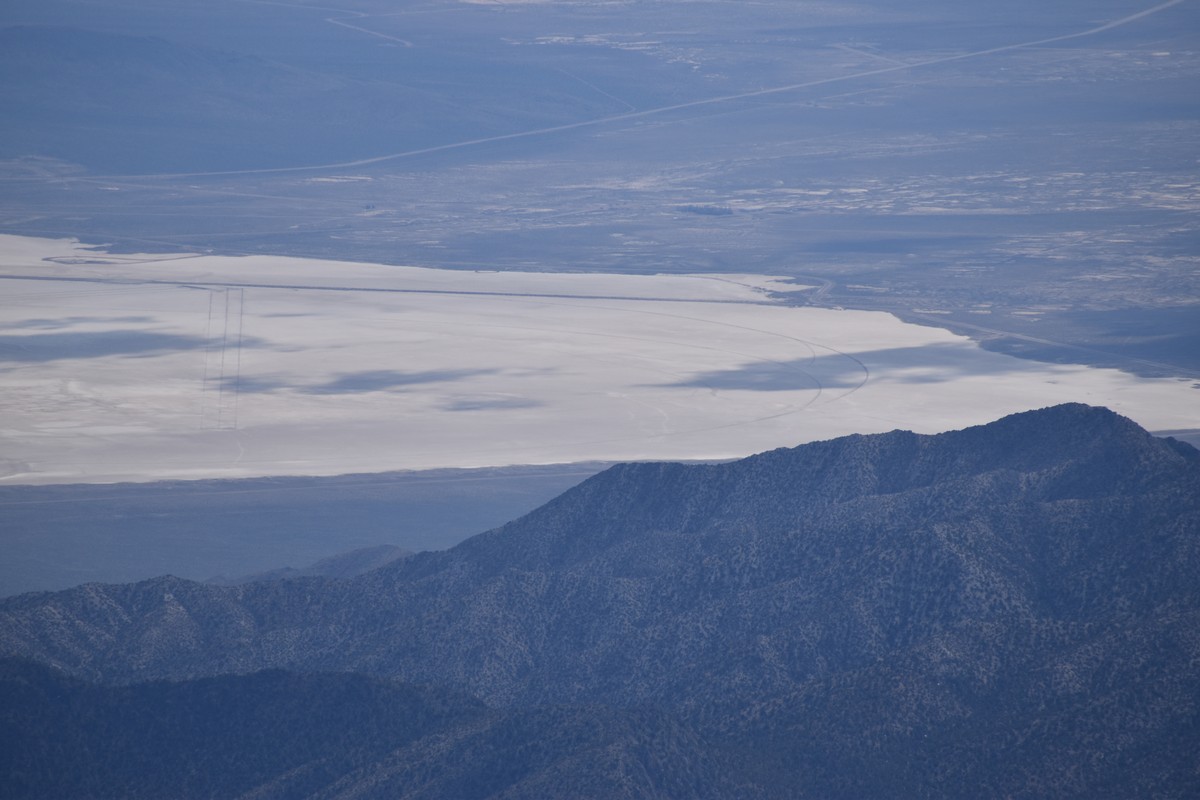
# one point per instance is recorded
(1005, 610)
(254, 736)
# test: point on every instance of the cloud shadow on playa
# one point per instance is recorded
(928, 364)
(43, 347)
(249, 384)
(383, 379)
(355, 382)
(44, 323)
(485, 403)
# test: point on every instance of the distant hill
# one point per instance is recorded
(197, 529)
(1008, 610)
(343, 565)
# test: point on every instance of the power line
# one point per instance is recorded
(237, 380)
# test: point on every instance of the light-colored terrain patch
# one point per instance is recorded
(126, 367)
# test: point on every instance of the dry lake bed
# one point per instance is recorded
(149, 367)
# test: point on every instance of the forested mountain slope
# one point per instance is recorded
(278, 734)
(1012, 607)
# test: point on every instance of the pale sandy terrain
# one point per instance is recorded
(187, 367)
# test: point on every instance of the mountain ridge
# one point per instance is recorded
(627, 519)
(1025, 587)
